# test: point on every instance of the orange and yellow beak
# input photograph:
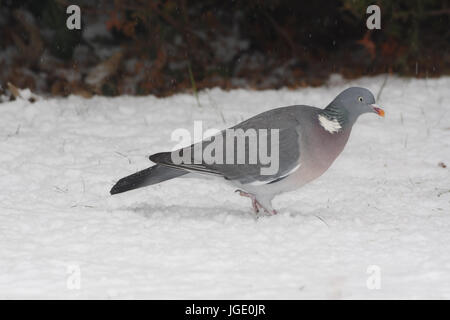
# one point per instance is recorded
(378, 110)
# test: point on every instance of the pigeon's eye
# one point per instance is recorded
(360, 99)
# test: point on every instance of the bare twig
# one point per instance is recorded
(215, 106)
(194, 86)
(382, 87)
(16, 133)
(122, 155)
(321, 219)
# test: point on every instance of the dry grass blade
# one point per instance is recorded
(14, 91)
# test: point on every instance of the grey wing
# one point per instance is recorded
(280, 155)
(283, 157)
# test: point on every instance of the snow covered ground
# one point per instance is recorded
(383, 205)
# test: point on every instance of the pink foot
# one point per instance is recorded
(255, 203)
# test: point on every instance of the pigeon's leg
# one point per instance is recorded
(266, 204)
(267, 209)
(256, 204)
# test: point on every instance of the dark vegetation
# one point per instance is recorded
(160, 47)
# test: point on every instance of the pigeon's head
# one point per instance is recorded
(356, 101)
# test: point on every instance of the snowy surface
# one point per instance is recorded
(384, 202)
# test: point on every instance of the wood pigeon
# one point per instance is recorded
(302, 140)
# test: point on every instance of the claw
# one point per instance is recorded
(255, 205)
(242, 193)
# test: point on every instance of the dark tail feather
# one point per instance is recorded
(147, 177)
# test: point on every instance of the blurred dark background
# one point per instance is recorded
(140, 47)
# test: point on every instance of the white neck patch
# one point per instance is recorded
(331, 126)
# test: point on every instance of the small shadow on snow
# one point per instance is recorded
(189, 212)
